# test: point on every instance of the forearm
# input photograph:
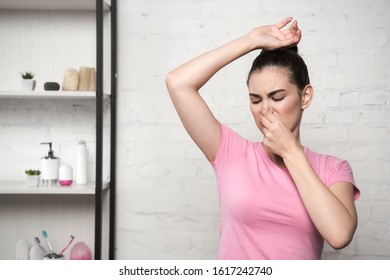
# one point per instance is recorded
(196, 72)
(331, 217)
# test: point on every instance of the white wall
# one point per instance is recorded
(167, 197)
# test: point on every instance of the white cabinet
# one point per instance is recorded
(47, 37)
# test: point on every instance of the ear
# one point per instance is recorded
(307, 96)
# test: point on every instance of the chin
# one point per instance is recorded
(261, 129)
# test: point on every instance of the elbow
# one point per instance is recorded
(177, 82)
(171, 81)
(340, 243)
(341, 240)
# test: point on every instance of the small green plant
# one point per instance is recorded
(28, 75)
(32, 172)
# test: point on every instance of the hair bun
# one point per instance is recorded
(293, 49)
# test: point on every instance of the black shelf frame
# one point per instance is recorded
(99, 128)
(114, 76)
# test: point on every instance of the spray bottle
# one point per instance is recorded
(81, 163)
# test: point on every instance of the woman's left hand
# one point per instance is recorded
(277, 136)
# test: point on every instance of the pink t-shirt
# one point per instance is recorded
(262, 214)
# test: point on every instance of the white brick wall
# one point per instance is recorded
(167, 196)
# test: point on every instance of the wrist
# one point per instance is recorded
(252, 41)
(293, 154)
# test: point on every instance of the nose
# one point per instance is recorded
(265, 105)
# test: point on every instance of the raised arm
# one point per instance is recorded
(184, 82)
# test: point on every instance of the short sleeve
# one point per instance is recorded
(341, 171)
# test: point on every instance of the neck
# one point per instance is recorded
(278, 160)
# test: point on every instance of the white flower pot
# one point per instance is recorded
(32, 180)
(28, 84)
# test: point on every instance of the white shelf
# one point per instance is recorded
(19, 187)
(49, 94)
(77, 5)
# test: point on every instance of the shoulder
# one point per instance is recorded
(325, 160)
(332, 170)
(329, 168)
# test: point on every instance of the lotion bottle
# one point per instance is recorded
(81, 163)
(49, 167)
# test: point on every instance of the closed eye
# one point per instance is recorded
(255, 98)
(277, 98)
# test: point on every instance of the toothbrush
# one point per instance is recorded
(66, 247)
(44, 234)
(38, 242)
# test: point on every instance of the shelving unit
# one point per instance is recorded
(101, 192)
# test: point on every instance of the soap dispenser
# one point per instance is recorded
(49, 167)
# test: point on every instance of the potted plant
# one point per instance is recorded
(28, 82)
(32, 177)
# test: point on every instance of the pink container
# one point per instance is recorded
(65, 175)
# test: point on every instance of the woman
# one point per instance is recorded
(278, 199)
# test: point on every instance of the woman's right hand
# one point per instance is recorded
(271, 37)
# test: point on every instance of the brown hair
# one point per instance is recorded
(285, 58)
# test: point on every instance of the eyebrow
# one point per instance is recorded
(270, 94)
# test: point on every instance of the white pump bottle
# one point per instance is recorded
(49, 167)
